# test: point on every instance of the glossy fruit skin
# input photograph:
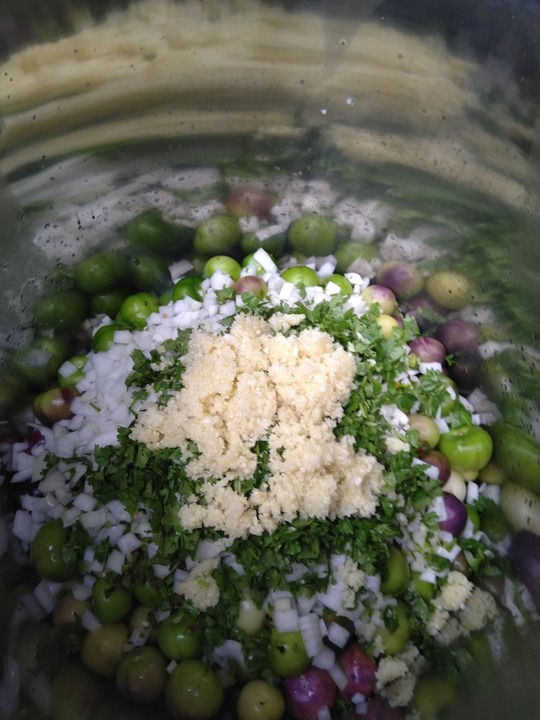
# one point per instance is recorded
(69, 609)
(456, 515)
(54, 405)
(152, 233)
(136, 309)
(216, 235)
(360, 669)
(39, 361)
(148, 272)
(307, 693)
(223, 263)
(107, 303)
(258, 700)
(450, 290)
(250, 201)
(432, 694)
(347, 253)
(273, 245)
(178, 638)
(301, 275)
(314, 235)
(48, 553)
(287, 654)
(103, 650)
(100, 273)
(467, 448)
(187, 287)
(396, 576)
(76, 692)
(110, 601)
(251, 284)
(142, 674)
(103, 338)
(518, 455)
(395, 640)
(63, 311)
(403, 278)
(193, 692)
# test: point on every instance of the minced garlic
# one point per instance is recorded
(256, 383)
(200, 587)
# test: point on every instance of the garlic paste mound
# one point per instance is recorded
(257, 383)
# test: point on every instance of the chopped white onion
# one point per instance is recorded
(115, 561)
(46, 592)
(90, 622)
(138, 637)
(128, 543)
(85, 502)
(325, 658)
(33, 607)
(358, 698)
(161, 615)
(80, 591)
(324, 713)
(40, 691)
(473, 492)
(337, 674)
(161, 571)
(310, 628)
(283, 603)
(338, 635)
(286, 620)
(94, 519)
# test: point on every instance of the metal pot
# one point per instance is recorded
(435, 107)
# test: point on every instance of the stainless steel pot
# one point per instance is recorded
(435, 105)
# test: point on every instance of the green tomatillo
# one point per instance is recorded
(469, 448)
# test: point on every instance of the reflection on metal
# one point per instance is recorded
(160, 69)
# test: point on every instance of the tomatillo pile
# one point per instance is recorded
(295, 588)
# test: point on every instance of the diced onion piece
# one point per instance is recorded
(85, 502)
(473, 492)
(33, 607)
(115, 561)
(338, 635)
(207, 549)
(46, 593)
(283, 603)
(358, 698)
(128, 543)
(325, 658)
(338, 675)
(90, 622)
(161, 615)
(179, 577)
(286, 620)
(310, 628)
(94, 519)
(138, 637)
(261, 257)
(161, 571)
(40, 691)
(81, 591)
(429, 576)
(324, 713)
